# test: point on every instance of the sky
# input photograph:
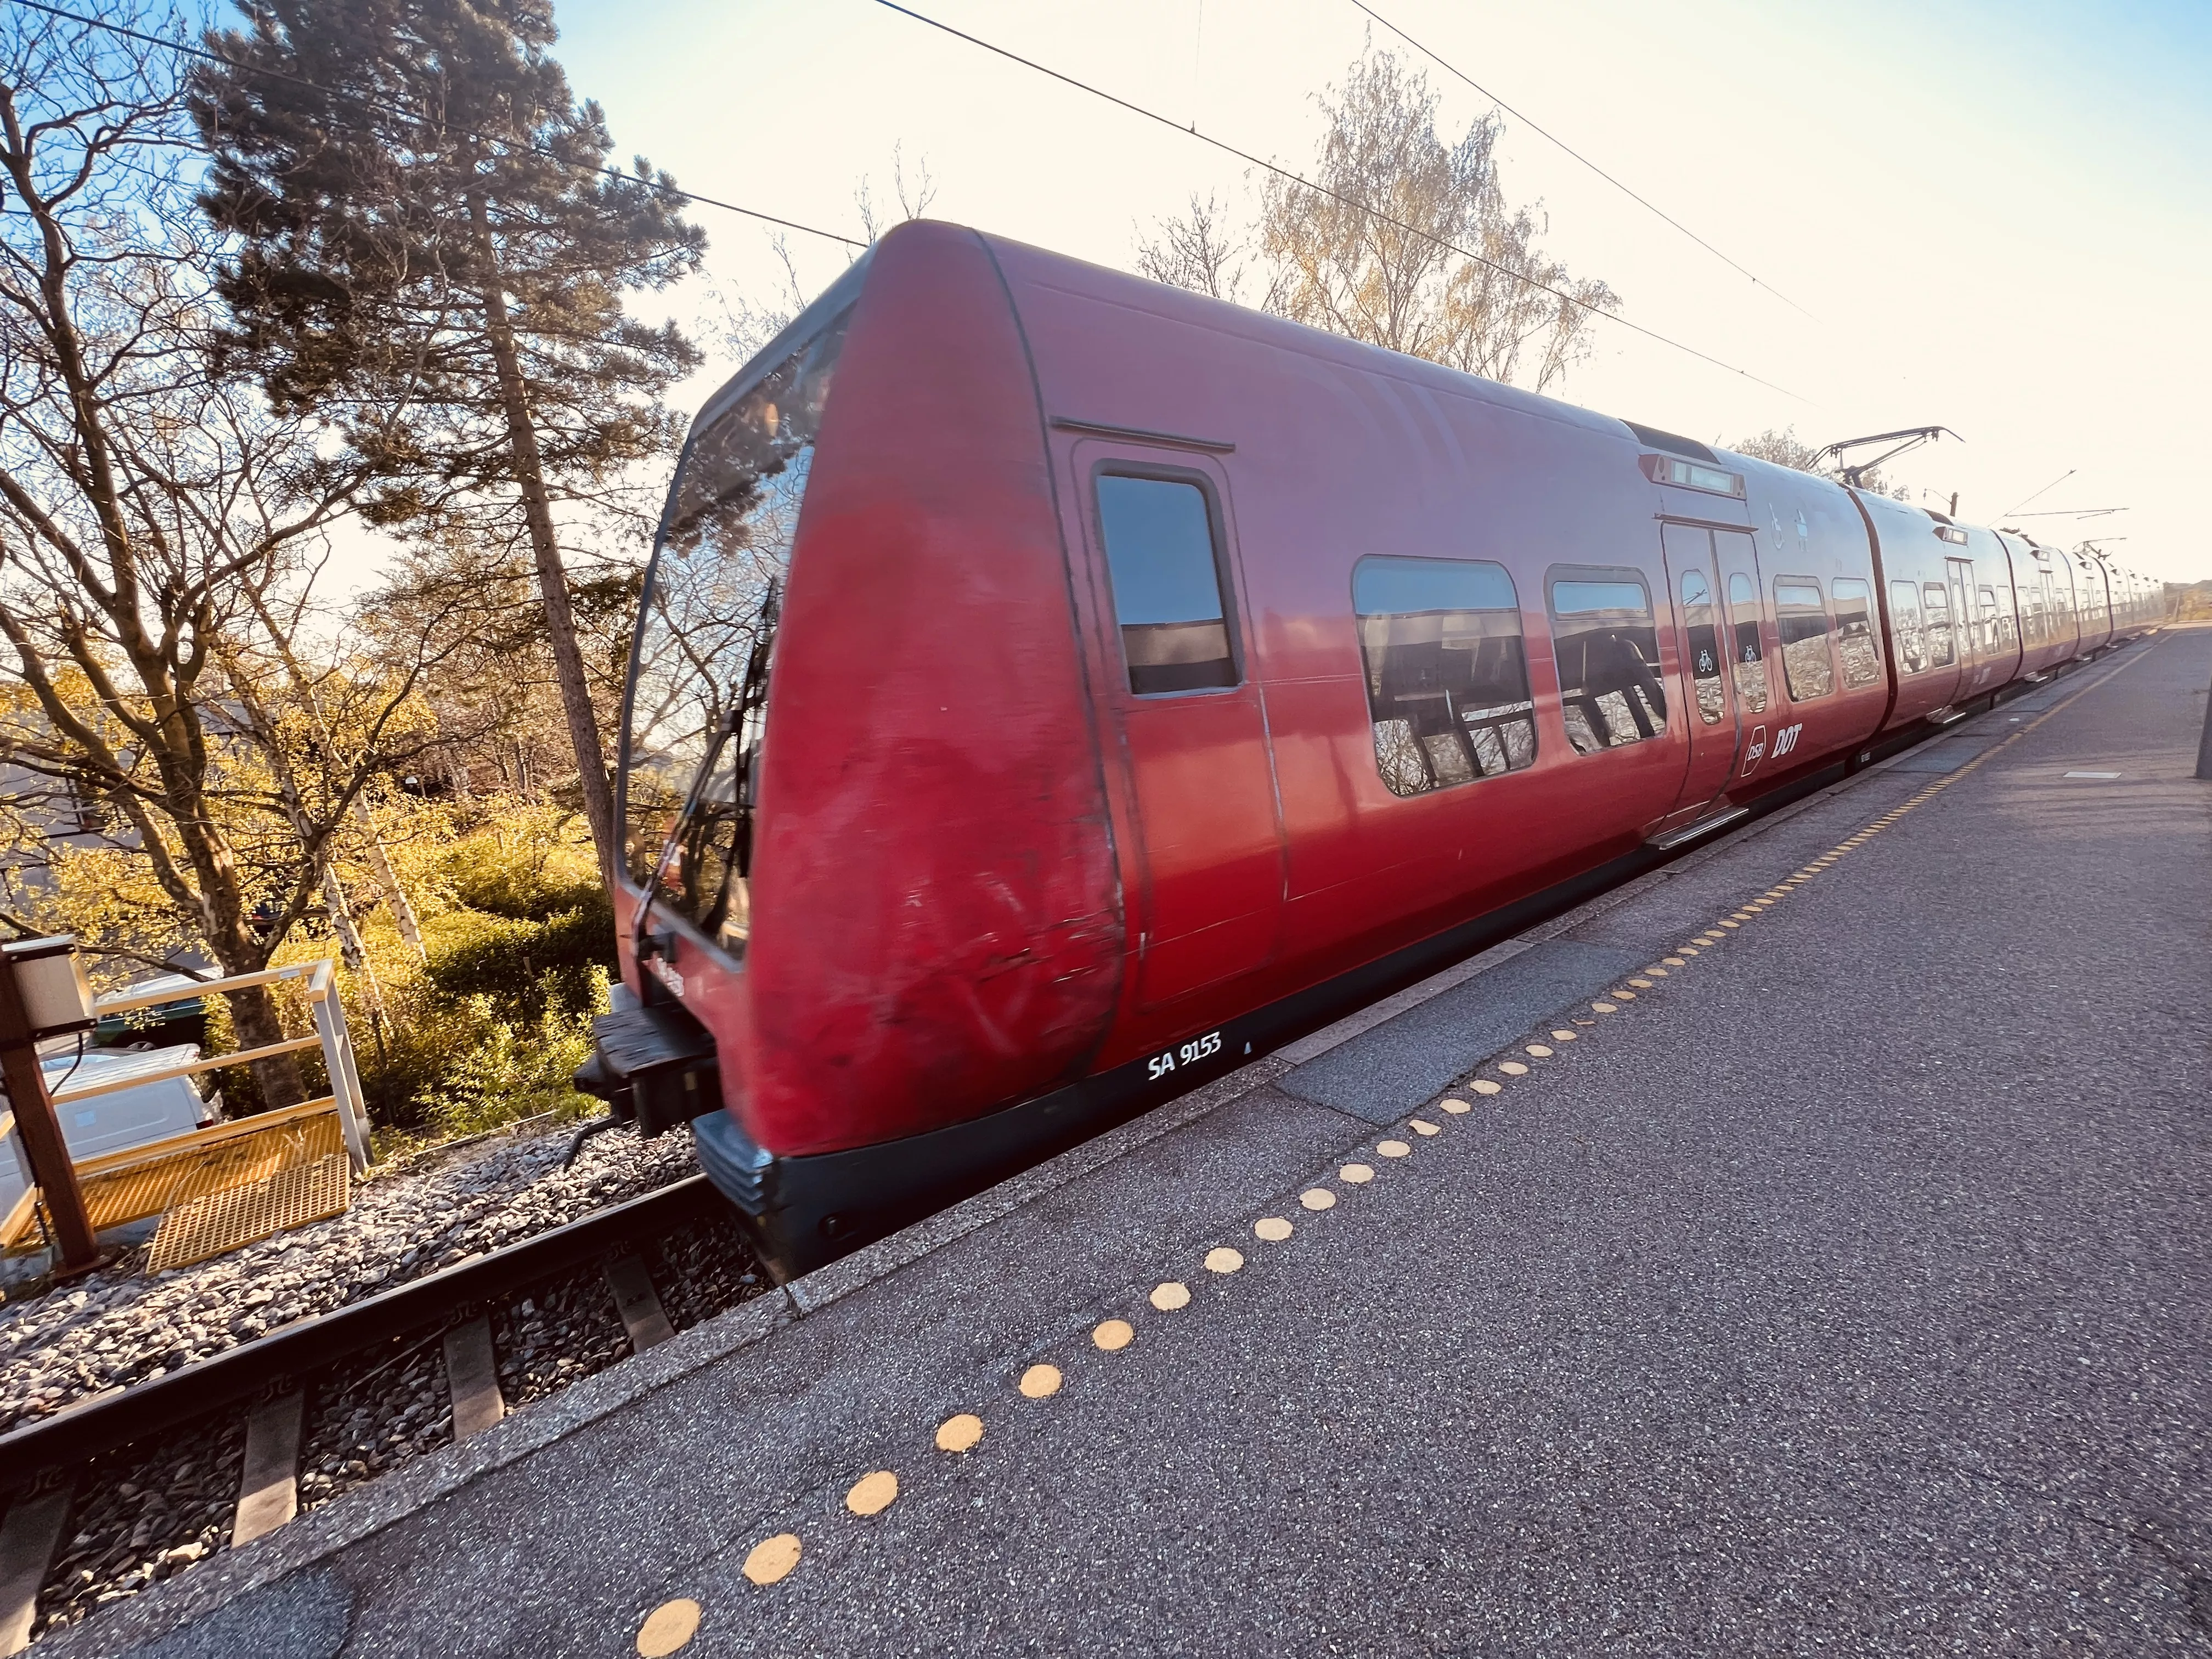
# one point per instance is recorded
(1995, 217)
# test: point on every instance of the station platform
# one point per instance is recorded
(1839, 1282)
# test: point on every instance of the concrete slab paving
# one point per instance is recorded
(1843, 1292)
(1384, 1074)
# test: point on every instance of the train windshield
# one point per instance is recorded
(706, 627)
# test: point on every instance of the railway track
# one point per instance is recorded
(110, 1495)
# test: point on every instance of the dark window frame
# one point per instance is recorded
(1871, 620)
(828, 319)
(1519, 615)
(1217, 530)
(1553, 575)
(1782, 641)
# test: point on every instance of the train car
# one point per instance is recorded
(1052, 690)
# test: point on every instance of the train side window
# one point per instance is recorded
(1905, 622)
(1699, 621)
(1854, 636)
(1802, 617)
(1446, 674)
(1165, 568)
(1746, 653)
(1996, 627)
(1942, 652)
(1608, 655)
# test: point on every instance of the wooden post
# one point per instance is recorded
(51, 1169)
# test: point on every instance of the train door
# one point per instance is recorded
(1709, 713)
(1751, 647)
(1200, 798)
(1974, 648)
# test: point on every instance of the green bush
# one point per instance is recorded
(528, 965)
(523, 866)
(515, 1069)
(518, 948)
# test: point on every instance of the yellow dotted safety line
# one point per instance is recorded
(672, 1626)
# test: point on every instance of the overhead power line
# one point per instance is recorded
(2045, 490)
(1453, 69)
(1250, 160)
(378, 107)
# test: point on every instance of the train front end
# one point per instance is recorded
(867, 900)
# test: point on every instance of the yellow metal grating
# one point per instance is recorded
(162, 1183)
(239, 1215)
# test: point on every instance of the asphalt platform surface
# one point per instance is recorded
(1844, 1291)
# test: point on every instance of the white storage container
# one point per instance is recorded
(110, 1123)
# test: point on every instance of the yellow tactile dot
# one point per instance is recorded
(1420, 1128)
(1318, 1198)
(1539, 1050)
(1622, 996)
(668, 1627)
(872, 1493)
(1731, 924)
(1672, 962)
(773, 1558)
(1358, 1174)
(1604, 1007)
(1641, 984)
(959, 1434)
(1565, 1035)
(1170, 1295)
(1686, 949)
(1039, 1381)
(1112, 1335)
(1273, 1228)
(1512, 1068)
(1483, 1085)
(1392, 1148)
(1223, 1260)
(1455, 1107)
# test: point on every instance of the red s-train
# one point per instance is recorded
(1052, 690)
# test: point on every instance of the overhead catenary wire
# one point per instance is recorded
(1452, 68)
(2045, 490)
(380, 107)
(1285, 174)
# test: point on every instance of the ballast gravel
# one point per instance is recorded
(119, 1326)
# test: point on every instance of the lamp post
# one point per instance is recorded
(42, 994)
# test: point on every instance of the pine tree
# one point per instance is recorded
(429, 225)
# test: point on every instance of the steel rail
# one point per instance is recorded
(237, 1376)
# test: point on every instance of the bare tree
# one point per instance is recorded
(1785, 448)
(150, 504)
(914, 199)
(745, 323)
(1409, 243)
(1198, 251)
